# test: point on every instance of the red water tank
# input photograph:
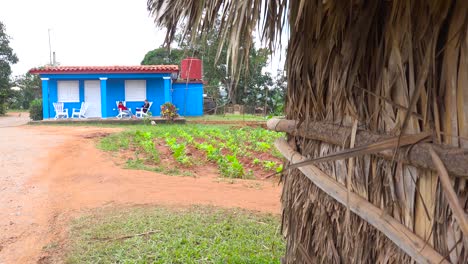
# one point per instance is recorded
(191, 69)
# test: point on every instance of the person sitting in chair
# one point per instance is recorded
(124, 109)
(144, 107)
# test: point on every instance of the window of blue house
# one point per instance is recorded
(68, 91)
(135, 90)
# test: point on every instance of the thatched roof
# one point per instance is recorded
(392, 68)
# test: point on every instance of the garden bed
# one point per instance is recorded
(236, 152)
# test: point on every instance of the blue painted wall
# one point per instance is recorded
(53, 95)
(189, 101)
(188, 98)
(116, 92)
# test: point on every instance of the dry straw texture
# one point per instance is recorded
(371, 61)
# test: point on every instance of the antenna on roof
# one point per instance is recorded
(50, 50)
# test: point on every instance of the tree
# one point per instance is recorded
(162, 56)
(276, 94)
(7, 57)
(253, 84)
(217, 72)
(29, 89)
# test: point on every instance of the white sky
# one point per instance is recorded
(83, 32)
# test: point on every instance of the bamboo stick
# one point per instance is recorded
(450, 194)
(409, 242)
(455, 159)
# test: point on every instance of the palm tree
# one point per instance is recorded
(379, 68)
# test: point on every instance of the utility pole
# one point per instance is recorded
(50, 50)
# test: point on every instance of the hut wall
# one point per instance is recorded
(371, 61)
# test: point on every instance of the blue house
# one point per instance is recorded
(102, 86)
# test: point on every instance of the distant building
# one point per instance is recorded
(103, 86)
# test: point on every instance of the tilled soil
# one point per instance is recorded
(51, 174)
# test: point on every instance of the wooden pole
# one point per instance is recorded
(455, 159)
(450, 194)
(409, 242)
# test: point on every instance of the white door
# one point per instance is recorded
(92, 95)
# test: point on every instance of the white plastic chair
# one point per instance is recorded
(59, 111)
(80, 113)
(123, 114)
(139, 113)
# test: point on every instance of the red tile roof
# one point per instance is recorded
(106, 69)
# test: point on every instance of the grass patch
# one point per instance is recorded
(227, 117)
(138, 164)
(194, 235)
(115, 142)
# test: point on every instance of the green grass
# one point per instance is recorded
(194, 235)
(115, 142)
(227, 117)
(138, 164)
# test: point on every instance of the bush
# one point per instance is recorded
(169, 111)
(35, 110)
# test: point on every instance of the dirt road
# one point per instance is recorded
(51, 174)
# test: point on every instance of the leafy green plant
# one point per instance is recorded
(35, 110)
(178, 151)
(145, 141)
(220, 144)
(269, 165)
(231, 167)
(279, 168)
(262, 146)
(169, 111)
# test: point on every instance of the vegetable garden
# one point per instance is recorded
(238, 152)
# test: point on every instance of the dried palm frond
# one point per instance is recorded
(238, 20)
(395, 66)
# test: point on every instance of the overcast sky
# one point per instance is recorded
(83, 32)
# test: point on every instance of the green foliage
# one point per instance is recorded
(230, 167)
(227, 117)
(144, 140)
(178, 151)
(194, 235)
(7, 57)
(169, 111)
(226, 147)
(141, 141)
(35, 110)
(115, 142)
(262, 146)
(30, 89)
(269, 165)
(279, 168)
(162, 56)
(217, 72)
(277, 94)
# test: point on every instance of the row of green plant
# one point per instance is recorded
(223, 145)
(226, 146)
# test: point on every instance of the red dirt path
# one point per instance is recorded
(49, 175)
